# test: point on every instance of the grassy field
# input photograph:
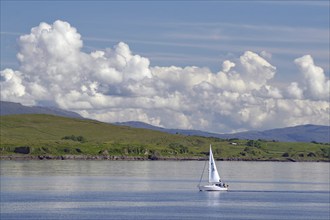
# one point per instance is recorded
(56, 136)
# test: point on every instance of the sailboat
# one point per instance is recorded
(214, 183)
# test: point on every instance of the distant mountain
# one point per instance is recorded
(138, 124)
(12, 108)
(301, 133)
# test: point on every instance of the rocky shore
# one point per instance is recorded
(18, 157)
(91, 157)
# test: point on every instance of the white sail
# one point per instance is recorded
(213, 172)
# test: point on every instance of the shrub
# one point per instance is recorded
(253, 143)
(22, 150)
(74, 138)
(326, 152)
(154, 155)
(311, 154)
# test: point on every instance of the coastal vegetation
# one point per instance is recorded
(54, 137)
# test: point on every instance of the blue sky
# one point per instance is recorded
(202, 33)
(212, 36)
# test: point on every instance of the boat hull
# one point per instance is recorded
(212, 188)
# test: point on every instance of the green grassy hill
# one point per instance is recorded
(56, 136)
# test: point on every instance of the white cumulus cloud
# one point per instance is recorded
(115, 84)
(256, 70)
(317, 85)
(11, 84)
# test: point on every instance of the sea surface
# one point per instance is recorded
(162, 190)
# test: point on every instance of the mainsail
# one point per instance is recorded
(213, 172)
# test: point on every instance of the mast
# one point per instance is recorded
(213, 172)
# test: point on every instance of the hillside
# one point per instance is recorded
(302, 133)
(49, 136)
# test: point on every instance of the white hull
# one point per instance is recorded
(212, 188)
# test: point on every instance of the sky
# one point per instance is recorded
(218, 66)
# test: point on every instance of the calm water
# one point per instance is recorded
(162, 190)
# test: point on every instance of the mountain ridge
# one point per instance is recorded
(13, 108)
(299, 133)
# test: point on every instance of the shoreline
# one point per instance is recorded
(137, 158)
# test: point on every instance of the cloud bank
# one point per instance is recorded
(115, 84)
